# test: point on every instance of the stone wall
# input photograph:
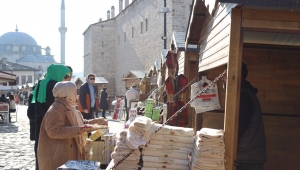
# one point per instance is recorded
(133, 39)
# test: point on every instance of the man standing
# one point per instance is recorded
(251, 153)
(86, 102)
(132, 93)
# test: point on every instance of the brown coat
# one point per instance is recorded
(59, 140)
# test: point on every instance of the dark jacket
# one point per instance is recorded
(84, 101)
(251, 137)
(42, 108)
(103, 100)
(31, 116)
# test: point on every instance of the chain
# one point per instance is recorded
(126, 156)
(178, 112)
(192, 100)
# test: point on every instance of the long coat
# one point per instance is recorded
(59, 140)
(103, 100)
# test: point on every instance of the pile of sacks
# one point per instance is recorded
(138, 129)
(209, 149)
(121, 150)
(168, 148)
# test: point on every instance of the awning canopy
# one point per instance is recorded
(7, 78)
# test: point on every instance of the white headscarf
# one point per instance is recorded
(66, 90)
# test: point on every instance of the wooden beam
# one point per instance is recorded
(270, 15)
(276, 25)
(232, 98)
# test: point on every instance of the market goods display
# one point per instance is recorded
(149, 108)
(94, 127)
(209, 149)
(121, 149)
(169, 148)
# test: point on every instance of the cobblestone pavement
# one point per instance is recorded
(16, 149)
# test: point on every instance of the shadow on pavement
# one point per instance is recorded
(8, 128)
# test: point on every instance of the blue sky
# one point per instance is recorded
(41, 19)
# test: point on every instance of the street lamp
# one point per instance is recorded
(164, 10)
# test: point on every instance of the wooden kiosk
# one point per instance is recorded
(267, 38)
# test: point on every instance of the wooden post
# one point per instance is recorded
(232, 98)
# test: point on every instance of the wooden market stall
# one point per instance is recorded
(133, 77)
(187, 65)
(266, 36)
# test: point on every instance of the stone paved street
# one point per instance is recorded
(16, 150)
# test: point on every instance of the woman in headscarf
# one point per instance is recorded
(43, 97)
(62, 136)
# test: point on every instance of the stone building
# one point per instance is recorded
(131, 40)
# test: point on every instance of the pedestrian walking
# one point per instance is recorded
(104, 101)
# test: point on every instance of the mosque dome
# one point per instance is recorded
(40, 57)
(27, 58)
(50, 58)
(17, 38)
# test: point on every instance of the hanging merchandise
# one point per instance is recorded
(208, 100)
(170, 85)
(182, 119)
(143, 84)
(171, 60)
(181, 83)
(149, 108)
(132, 114)
(117, 110)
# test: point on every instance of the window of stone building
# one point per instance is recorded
(23, 80)
(118, 40)
(29, 79)
(102, 44)
(141, 27)
(124, 36)
(34, 49)
(8, 48)
(15, 48)
(146, 24)
(132, 32)
(23, 48)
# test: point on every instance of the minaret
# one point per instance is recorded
(62, 30)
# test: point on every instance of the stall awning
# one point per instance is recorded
(7, 78)
(292, 4)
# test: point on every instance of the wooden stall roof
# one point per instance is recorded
(136, 74)
(195, 23)
(178, 39)
(291, 4)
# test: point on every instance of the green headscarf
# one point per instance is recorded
(54, 72)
